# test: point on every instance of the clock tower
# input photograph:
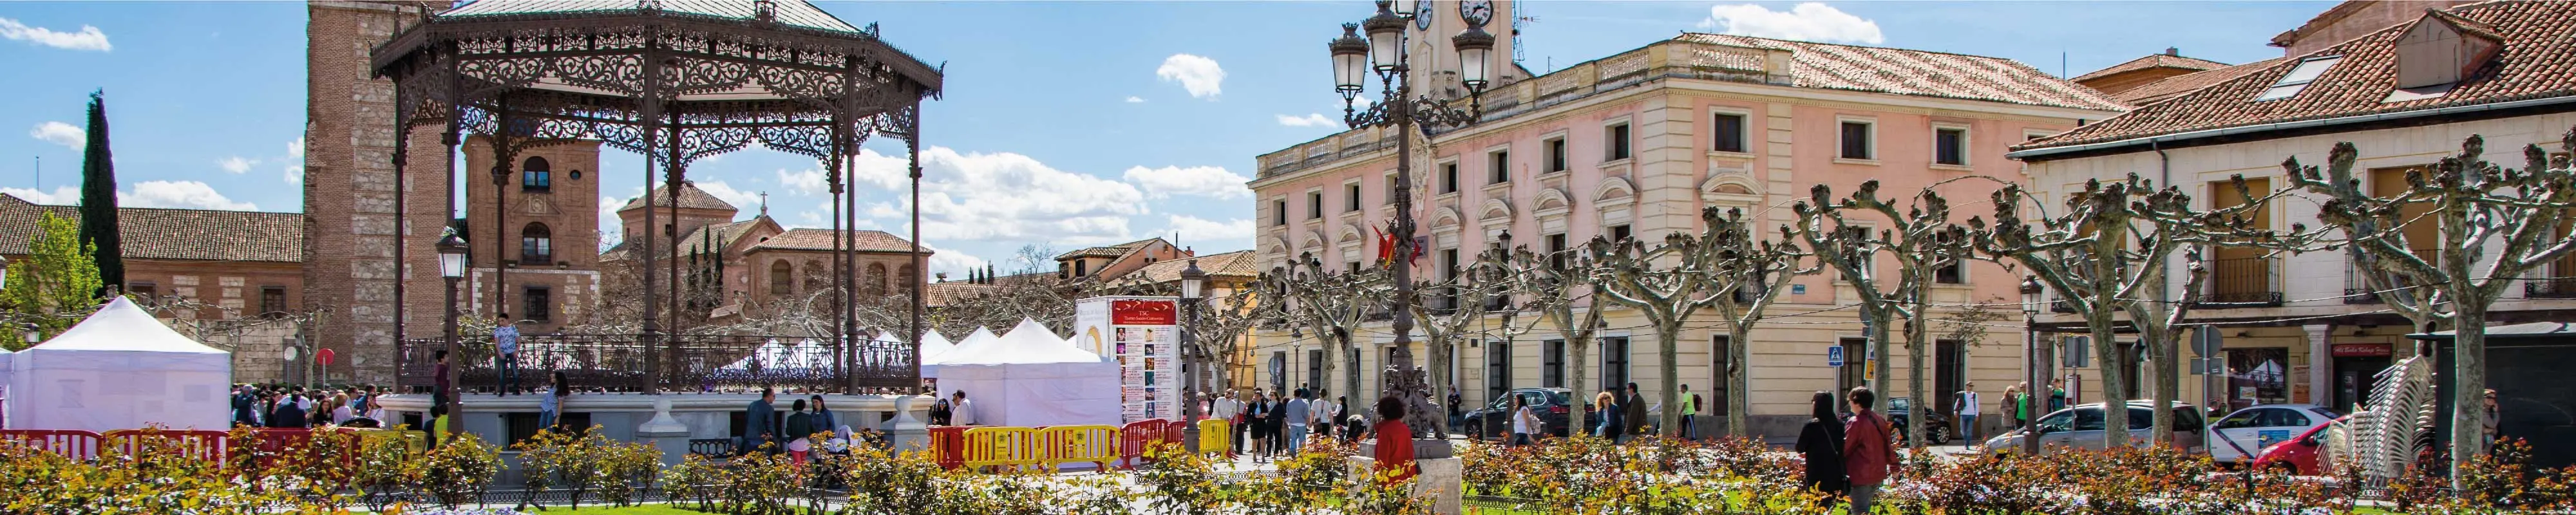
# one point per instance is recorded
(1435, 58)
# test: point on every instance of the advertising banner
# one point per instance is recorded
(1143, 334)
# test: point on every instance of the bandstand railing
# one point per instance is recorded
(691, 363)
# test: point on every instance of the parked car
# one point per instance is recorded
(1494, 420)
(2299, 455)
(1937, 427)
(2245, 433)
(2082, 426)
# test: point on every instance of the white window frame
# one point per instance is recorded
(1450, 188)
(1967, 146)
(1314, 204)
(1355, 191)
(1607, 144)
(1745, 135)
(1507, 152)
(1872, 123)
(1558, 137)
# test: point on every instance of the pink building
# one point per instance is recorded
(1635, 145)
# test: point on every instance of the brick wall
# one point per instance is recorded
(568, 208)
(350, 192)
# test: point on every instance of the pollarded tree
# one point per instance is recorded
(1329, 305)
(1559, 288)
(1921, 239)
(2495, 226)
(1672, 281)
(1757, 272)
(1446, 321)
(2108, 254)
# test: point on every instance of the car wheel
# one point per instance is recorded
(1940, 436)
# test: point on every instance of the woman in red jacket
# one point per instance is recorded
(1868, 456)
(1394, 441)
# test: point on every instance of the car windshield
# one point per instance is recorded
(2327, 413)
(1900, 405)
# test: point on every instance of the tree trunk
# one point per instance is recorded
(1667, 332)
(1916, 331)
(2468, 381)
(2106, 359)
(1738, 383)
(1438, 349)
(2168, 382)
(1575, 350)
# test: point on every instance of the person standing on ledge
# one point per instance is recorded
(1394, 442)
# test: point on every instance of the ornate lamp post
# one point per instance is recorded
(1383, 52)
(1192, 280)
(451, 266)
(2030, 299)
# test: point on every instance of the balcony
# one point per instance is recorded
(692, 363)
(2356, 287)
(2248, 282)
(2061, 307)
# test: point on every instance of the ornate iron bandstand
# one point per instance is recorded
(675, 81)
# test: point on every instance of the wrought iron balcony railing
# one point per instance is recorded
(691, 363)
(2241, 283)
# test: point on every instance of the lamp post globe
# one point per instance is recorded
(1350, 62)
(2030, 293)
(1475, 48)
(1386, 37)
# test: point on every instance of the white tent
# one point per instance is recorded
(120, 369)
(1031, 377)
(933, 346)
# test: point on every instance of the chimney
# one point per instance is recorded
(2173, 51)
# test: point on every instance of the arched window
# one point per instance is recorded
(536, 175)
(782, 278)
(536, 244)
(876, 279)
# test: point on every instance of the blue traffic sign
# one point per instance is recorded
(1834, 356)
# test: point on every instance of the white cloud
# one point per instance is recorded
(1206, 181)
(743, 201)
(609, 223)
(236, 164)
(811, 219)
(62, 195)
(1309, 120)
(295, 149)
(1200, 75)
(952, 261)
(60, 133)
(295, 175)
(1010, 197)
(88, 38)
(807, 182)
(295, 153)
(1135, 100)
(179, 194)
(1236, 233)
(1809, 21)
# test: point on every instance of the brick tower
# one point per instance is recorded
(350, 197)
(542, 252)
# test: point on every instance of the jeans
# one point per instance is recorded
(545, 420)
(1296, 438)
(1968, 428)
(1520, 439)
(1686, 427)
(509, 363)
(1862, 496)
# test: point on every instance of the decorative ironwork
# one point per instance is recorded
(678, 85)
(2241, 283)
(705, 363)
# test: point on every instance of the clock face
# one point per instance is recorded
(1422, 14)
(1476, 12)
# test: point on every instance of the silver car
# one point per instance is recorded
(2082, 426)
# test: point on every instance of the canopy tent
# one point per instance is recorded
(933, 346)
(120, 369)
(1031, 377)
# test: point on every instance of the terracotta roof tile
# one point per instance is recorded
(821, 239)
(1227, 264)
(1110, 251)
(174, 234)
(690, 198)
(2535, 62)
(1921, 73)
(2178, 84)
(2153, 61)
(950, 293)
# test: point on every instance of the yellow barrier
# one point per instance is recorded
(1078, 444)
(1216, 437)
(1001, 447)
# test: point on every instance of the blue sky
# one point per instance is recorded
(1065, 123)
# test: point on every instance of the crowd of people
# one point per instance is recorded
(1270, 424)
(766, 430)
(293, 406)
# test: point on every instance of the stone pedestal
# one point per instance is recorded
(666, 432)
(905, 432)
(1442, 478)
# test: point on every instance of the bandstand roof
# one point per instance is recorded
(792, 13)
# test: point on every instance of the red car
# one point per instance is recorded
(2298, 455)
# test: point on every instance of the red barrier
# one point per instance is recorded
(1172, 433)
(205, 444)
(948, 443)
(69, 443)
(1136, 436)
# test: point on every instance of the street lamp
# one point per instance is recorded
(2030, 299)
(451, 266)
(1402, 110)
(1192, 280)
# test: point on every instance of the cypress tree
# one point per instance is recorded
(98, 200)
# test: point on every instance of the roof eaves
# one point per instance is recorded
(2292, 124)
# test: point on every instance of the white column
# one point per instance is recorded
(2320, 365)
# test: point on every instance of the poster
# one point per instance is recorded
(1142, 334)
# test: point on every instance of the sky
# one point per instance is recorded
(1063, 125)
